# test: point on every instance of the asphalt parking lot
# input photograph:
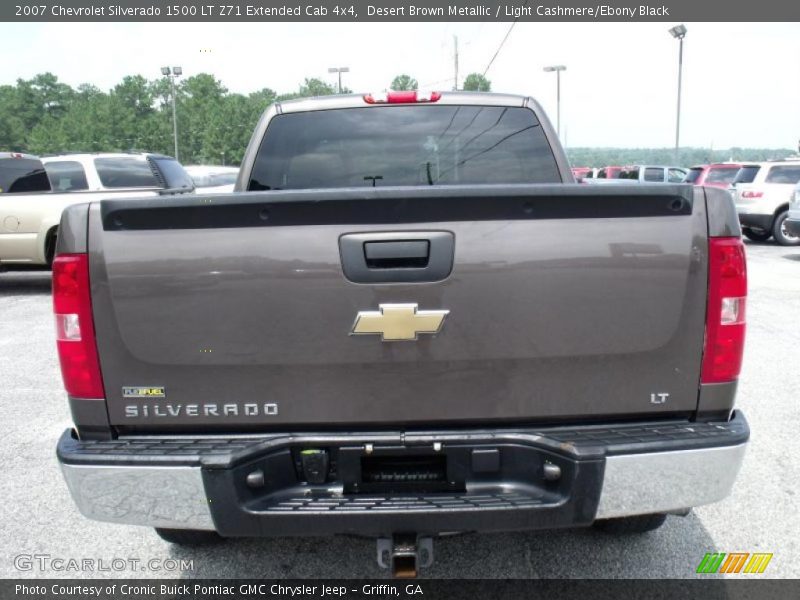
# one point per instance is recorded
(39, 518)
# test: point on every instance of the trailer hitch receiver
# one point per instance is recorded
(405, 554)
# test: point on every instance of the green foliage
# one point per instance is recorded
(403, 83)
(42, 115)
(315, 87)
(475, 82)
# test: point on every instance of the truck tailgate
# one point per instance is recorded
(565, 302)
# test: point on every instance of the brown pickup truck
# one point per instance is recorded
(407, 321)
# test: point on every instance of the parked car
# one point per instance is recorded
(762, 192)
(211, 179)
(390, 337)
(654, 174)
(34, 191)
(792, 222)
(596, 181)
(115, 172)
(609, 173)
(719, 175)
(583, 172)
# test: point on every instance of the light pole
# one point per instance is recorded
(557, 69)
(678, 32)
(339, 70)
(173, 74)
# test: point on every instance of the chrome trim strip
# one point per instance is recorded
(170, 497)
(636, 484)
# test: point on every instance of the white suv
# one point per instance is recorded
(762, 192)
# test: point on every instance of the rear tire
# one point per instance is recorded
(783, 237)
(756, 235)
(631, 525)
(188, 537)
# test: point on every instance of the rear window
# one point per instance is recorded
(403, 146)
(22, 175)
(721, 175)
(66, 176)
(654, 174)
(784, 174)
(629, 173)
(746, 174)
(676, 175)
(693, 175)
(124, 172)
(175, 176)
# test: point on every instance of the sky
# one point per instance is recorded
(741, 81)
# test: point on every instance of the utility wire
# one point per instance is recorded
(500, 47)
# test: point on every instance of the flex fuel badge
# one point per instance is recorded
(139, 391)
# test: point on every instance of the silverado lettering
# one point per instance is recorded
(135, 411)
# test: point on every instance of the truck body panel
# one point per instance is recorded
(538, 329)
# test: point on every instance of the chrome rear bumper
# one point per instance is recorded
(176, 494)
(636, 484)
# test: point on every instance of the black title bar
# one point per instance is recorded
(374, 11)
(713, 588)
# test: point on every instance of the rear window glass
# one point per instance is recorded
(693, 175)
(784, 174)
(746, 174)
(654, 174)
(175, 176)
(676, 175)
(123, 172)
(403, 146)
(22, 175)
(66, 176)
(629, 174)
(721, 175)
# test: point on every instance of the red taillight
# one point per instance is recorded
(72, 305)
(725, 316)
(405, 97)
(748, 194)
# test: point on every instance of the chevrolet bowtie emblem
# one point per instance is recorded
(398, 322)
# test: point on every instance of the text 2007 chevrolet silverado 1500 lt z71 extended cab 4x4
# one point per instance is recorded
(413, 323)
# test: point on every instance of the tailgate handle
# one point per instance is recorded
(397, 256)
(404, 254)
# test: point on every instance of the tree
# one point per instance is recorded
(315, 87)
(475, 82)
(262, 98)
(135, 94)
(404, 82)
(12, 127)
(198, 97)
